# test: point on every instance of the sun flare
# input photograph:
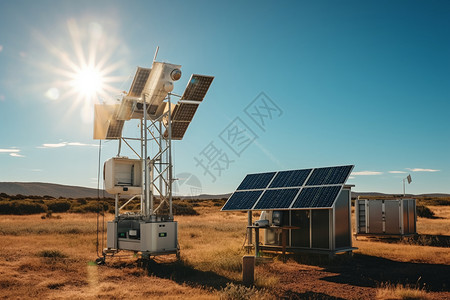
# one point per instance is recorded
(89, 82)
(87, 68)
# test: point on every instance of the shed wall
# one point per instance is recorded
(342, 220)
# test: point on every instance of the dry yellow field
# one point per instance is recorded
(53, 259)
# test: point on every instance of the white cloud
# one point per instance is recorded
(366, 173)
(81, 144)
(64, 144)
(1, 48)
(397, 172)
(36, 170)
(2, 97)
(422, 170)
(9, 150)
(59, 145)
(14, 152)
(351, 177)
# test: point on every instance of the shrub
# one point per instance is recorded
(92, 206)
(240, 292)
(81, 200)
(424, 212)
(391, 291)
(184, 209)
(21, 208)
(58, 205)
(51, 254)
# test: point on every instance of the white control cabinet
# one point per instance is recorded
(159, 237)
(123, 176)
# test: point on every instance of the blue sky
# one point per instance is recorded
(349, 82)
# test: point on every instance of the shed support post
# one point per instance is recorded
(256, 242)
(249, 230)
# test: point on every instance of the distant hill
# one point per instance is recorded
(68, 191)
(50, 189)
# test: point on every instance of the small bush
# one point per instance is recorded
(81, 201)
(390, 291)
(240, 292)
(21, 208)
(184, 209)
(92, 206)
(424, 212)
(51, 254)
(58, 205)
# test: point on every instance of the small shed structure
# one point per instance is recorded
(305, 210)
(395, 217)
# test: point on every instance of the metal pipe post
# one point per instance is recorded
(116, 206)
(249, 230)
(146, 183)
(170, 160)
(143, 168)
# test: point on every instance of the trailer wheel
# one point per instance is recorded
(100, 261)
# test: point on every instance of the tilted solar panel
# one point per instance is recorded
(184, 112)
(178, 130)
(197, 87)
(242, 200)
(139, 81)
(323, 196)
(290, 178)
(115, 129)
(256, 181)
(330, 175)
(294, 189)
(278, 198)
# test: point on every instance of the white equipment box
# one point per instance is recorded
(154, 237)
(159, 237)
(123, 176)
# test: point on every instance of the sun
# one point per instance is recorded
(89, 82)
(86, 69)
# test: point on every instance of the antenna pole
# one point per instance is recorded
(142, 159)
(146, 179)
(156, 53)
(170, 159)
(404, 195)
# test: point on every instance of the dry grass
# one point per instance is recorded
(414, 253)
(390, 291)
(404, 252)
(439, 226)
(52, 259)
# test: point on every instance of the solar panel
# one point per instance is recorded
(184, 112)
(197, 87)
(323, 196)
(139, 82)
(256, 181)
(125, 110)
(290, 178)
(295, 189)
(242, 200)
(279, 198)
(178, 130)
(330, 175)
(115, 129)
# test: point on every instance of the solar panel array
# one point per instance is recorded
(256, 181)
(139, 82)
(295, 189)
(184, 112)
(197, 87)
(178, 130)
(187, 106)
(115, 129)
